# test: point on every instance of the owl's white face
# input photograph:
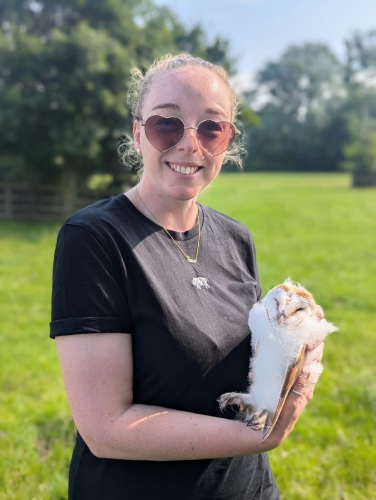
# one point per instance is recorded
(290, 304)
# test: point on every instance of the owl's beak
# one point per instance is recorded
(281, 317)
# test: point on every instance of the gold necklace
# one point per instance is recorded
(187, 257)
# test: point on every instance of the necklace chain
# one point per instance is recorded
(187, 257)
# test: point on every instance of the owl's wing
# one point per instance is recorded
(291, 375)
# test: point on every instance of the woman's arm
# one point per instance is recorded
(97, 371)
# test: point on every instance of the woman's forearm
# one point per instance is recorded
(153, 433)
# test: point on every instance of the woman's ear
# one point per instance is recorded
(136, 137)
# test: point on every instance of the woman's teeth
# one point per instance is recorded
(183, 170)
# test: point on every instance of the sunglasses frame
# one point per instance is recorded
(236, 132)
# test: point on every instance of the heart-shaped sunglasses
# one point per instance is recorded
(165, 132)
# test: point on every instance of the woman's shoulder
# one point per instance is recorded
(99, 212)
(111, 221)
(111, 216)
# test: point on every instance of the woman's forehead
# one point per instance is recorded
(188, 86)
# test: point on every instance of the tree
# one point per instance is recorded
(61, 99)
(63, 84)
(296, 98)
(360, 112)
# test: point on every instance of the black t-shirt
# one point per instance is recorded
(117, 271)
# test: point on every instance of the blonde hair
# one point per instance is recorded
(139, 87)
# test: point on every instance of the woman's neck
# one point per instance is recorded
(176, 215)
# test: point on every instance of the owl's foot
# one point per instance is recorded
(258, 420)
(233, 399)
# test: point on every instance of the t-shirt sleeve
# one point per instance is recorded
(88, 289)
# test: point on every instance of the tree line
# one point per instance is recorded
(317, 113)
(64, 74)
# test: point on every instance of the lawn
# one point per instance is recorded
(314, 228)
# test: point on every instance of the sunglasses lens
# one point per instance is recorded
(163, 133)
(215, 137)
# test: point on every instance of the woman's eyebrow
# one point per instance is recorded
(212, 111)
(175, 107)
(167, 105)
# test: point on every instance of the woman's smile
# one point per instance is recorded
(182, 168)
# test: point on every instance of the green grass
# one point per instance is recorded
(313, 228)
(35, 427)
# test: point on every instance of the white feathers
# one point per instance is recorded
(283, 325)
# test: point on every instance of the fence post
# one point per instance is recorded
(69, 191)
(8, 200)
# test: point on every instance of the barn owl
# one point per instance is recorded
(283, 324)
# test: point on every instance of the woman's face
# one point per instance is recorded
(193, 94)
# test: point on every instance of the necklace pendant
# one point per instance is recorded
(200, 282)
(191, 261)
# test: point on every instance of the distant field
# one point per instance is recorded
(313, 228)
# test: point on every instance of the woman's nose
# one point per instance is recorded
(189, 140)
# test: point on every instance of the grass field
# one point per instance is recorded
(313, 228)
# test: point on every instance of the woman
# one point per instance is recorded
(151, 294)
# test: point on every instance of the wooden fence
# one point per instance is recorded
(45, 203)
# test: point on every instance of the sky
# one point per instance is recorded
(259, 31)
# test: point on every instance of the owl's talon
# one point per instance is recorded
(257, 420)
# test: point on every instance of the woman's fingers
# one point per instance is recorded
(303, 386)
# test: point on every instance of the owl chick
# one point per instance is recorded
(283, 324)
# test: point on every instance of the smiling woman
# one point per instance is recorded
(151, 293)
